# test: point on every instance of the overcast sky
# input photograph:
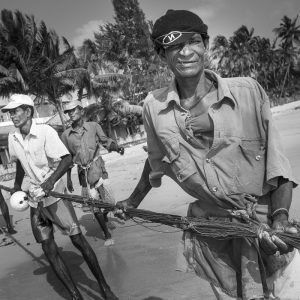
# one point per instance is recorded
(78, 19)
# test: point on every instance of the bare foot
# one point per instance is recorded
(109, 242)
(10, 230)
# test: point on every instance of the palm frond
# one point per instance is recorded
(108, 77)
(70, 73)
(4, 71)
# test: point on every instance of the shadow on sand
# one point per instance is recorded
(73, 261)
(92, 227)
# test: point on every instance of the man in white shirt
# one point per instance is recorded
(36, 148)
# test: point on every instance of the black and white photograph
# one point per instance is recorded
(149, 150)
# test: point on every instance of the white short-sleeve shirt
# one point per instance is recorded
(37, 153)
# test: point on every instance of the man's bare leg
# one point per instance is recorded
(51, 251)
(102, 222)
(89, 256)
(5, 213)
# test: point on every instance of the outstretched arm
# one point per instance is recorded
(107, 142)
(141, 190)
(63, 167)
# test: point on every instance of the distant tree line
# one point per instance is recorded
(276, 64)
(120, 62)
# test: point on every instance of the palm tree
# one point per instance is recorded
(60, 72)
(32, 62)
(234, 57)
(289, 34)
(17, 48)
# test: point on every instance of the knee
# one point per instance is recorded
(49, 247)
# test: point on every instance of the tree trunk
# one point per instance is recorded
(80, 94)
(284, 80)
(108, 128)
(58, 106)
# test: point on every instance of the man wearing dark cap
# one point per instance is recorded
(36, 148)
(216, 138)
(83, 141)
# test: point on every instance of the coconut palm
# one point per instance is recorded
(18, 52)
(234, 57)
(289, 34)
(32, 61)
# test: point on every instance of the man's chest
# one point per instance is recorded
(82, 141)
(219, 122)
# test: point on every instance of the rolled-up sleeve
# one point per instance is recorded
(155, 153)
(277, 164)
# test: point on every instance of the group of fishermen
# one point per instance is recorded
(215, 137)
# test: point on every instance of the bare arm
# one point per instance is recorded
(63, 167)
(107, 142)
(20, 173)
(141, 190)
(69, 180)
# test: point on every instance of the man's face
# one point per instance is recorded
(75, 114)
(19, 116)
(186, 59)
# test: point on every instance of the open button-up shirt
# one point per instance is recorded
(246, 156)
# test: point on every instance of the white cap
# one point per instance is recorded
(17, 100)
(71, 105)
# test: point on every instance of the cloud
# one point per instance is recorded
(208, 8)
(86, 32)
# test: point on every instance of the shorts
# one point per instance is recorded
(60, 213)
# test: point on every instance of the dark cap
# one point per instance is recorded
(177, 26)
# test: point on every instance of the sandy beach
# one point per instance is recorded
(142, 263)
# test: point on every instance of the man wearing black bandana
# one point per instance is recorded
(216, 138)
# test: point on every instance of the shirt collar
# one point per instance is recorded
(33, 130)
(84, 126)
(223, 90)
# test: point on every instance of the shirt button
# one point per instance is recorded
(214, 189)
(208, 160)
(257, 157)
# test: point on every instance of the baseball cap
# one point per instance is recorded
(17, 100)
(72, 104)
(177, 26)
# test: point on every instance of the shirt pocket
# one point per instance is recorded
(179, 159)
(250, 167)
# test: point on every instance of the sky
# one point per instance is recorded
(78, 19)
